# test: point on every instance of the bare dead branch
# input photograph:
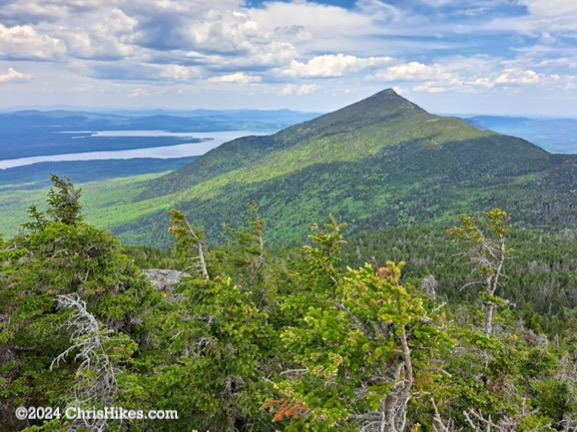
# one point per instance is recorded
(97, 385)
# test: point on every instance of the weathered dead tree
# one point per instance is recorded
(477, 421)
(97, 384)
(392, 413)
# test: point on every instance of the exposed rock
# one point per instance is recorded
(162, 279)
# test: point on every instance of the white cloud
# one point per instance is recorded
(273, 54)
(429, 87)
(415, 71)
(438, 3)
(102, 34)
(483, 83)
(24, 42)
(298, 90)
(138, 93)
(259, 57)
(314, 28)
(216, 28)
(382, 12)
(465, 75)
(177, 72)
(563, 10)
(222, 32)
(515, 76)
(406, 72)
(547, 38)
(93, 45)
(31, 12)
(330, 66)
(235, 78)
(311, 17)
(564, 62)
(544, 17)
(13, 75)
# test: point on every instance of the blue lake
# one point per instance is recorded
(210, 140)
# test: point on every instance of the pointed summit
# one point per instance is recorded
(382, 107)
(386, 101)
(389, 97)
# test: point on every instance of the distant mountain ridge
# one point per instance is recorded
(380, 162)
(199, 120)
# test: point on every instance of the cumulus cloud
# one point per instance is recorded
(235, 78)
(270, 55)
(464, 75)
(213, 30)
(415, 71)
(406, 72)
(429, 87)
(552, 9)
(290, 19)
(316, 28)
(98, 35)
(298, 90)
(222, 36)
(85, 45)
(177, 72)
(564, 62)
(544, 17)
(109, 30)
(13, 75)
(259, 58)
(30, 12)
(25, 43)
(330, 66)
(514, 76)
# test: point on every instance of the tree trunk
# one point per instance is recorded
(394, 405)
(202, 261)
(198, 249)
(489, 313)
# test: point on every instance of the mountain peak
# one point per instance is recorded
(388, 92)
(383, 106)
(388, 100)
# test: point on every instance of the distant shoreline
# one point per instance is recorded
(210, 140)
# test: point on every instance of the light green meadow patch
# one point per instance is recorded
(105, 203)
(15, 204)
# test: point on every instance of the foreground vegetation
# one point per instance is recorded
(303, 338)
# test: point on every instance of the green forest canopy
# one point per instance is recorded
(290, 338)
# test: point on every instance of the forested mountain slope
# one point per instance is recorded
(380, 162)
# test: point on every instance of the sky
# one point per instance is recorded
(502, 57)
